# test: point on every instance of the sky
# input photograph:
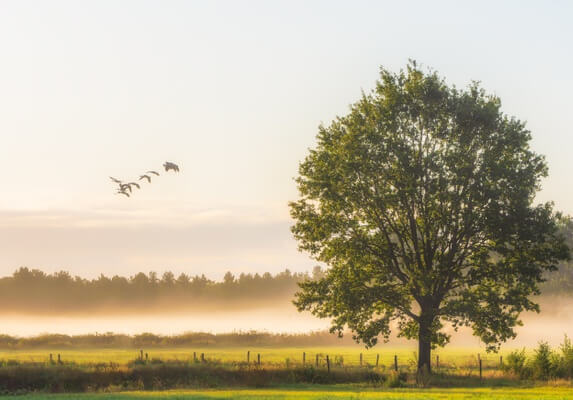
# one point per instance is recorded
(232, 91)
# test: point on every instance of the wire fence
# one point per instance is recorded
(383, 361)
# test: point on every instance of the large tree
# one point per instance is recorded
(421, 203)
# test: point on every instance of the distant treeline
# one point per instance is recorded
(34, 291)
(193, 339)
(31, 290)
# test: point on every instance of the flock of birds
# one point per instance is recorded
(126, 188)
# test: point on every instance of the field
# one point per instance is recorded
(322, 393)
(348, 356)
(224, 373)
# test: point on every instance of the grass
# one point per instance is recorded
(299, 392)
(460, 357)
(113, 374)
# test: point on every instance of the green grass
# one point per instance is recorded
(300, 392)
(458, 357)
(459, 379)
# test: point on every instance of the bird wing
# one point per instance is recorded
(134, 184)
(153, 172)
(169, 165)
(145, 177)
(114, 179)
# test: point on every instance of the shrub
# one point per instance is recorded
(515, 363)
(564, 367)
(395, 379)
(543, 364)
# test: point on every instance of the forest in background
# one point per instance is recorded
(31, 291)
(118, 340)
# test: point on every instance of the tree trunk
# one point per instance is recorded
(425, 345)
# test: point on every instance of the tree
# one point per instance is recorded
(420, 202)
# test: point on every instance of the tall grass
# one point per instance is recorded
(97, 372)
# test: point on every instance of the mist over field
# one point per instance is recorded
(272, 312)
(34, 302)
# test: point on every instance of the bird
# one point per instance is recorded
(145, 177)
(169, 165)
(127, 188)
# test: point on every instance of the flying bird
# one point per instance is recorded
(127, 188)
(145, 177)
(169, 165)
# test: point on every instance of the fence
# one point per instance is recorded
(385, 362)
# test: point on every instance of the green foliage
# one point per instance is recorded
(420, 201)
(515, 362)
(395, 380)
(544, 362)
(565, 367)
(172, 374)
(178, 371)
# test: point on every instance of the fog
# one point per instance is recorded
(276, 319)
(554, 321)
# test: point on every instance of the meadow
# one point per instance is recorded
(348, 356)
(344, 392)
(278, 373)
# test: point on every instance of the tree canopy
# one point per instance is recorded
(421, 203)
(60, 292)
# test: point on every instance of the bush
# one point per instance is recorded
(544, 362)
(515, 363)
(395, 379)
(564, 361)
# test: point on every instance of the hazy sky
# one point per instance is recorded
(233, 92)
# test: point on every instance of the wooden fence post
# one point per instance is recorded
(360, 359)
(146, 357)
(51, 358)
(259, 358)
(303, 358)
(59, 359)
(141, 354)
(480, 374)
(248, 356)
(437, 362)
(377, 359)
(501, 361)
(396, 363)
(202, 357)
(317, 360)
(194, 356)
